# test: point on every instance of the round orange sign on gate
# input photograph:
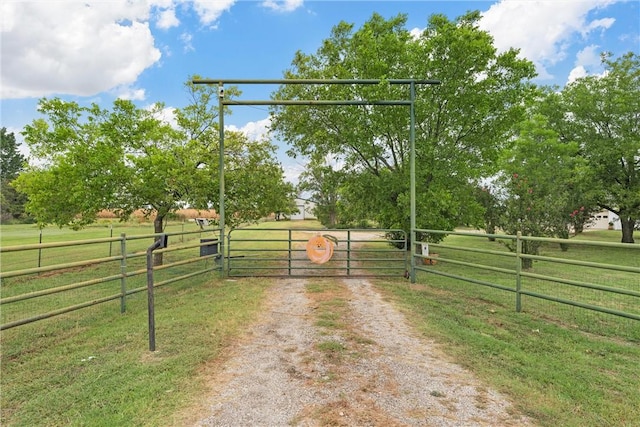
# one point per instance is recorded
(319, 249)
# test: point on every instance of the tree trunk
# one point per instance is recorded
(627, 229)
(529, 248)
(333, 218)
(527, 263)
(564, 234)
(157, 228)
(490, 229)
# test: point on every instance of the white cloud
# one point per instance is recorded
(589, 56)
(542, 29)
(587, 62)
(254, 130)
(163, 4)
(334, 160)
(186, 39)
(576, 73)
(70, 47)
(209, 11)
(283, 5)
(167, 19)
(416, 33)
(130, 93)
(84, 48)
(292, 172)
(167, 115)
(599, 24)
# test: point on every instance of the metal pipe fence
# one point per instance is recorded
(269, 252)
(41, 255)
(567, 285)
(84, 279)
(567, 279)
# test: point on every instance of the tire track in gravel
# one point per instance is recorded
(386, 376)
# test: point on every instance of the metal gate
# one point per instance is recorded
(283, 252)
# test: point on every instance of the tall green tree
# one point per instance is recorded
(95, 159)
(12, 162)
(582, 202)
(461, 125)
(127, 158)
(492, 209)
(254, 180)
(602, 113)
(324, 184)
(535, 184)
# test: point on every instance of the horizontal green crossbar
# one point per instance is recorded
(315, 102)
(520, 274)
(316, 81)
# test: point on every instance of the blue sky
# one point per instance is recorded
(96, 51)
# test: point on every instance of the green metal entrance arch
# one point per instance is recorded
(410, 102)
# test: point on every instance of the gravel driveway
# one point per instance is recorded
(298, 366)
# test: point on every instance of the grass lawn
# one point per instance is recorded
(93, 368)
(557, 375)
(563, 366)
(583, 319)
(25, 234)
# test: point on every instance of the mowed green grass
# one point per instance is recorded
(561, 365)
(29, 234)
(93, 367)
(554, 373)
(139, 237)
(586, 320)
(26, 234)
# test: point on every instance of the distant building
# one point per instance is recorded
(305, 210)
(601, 220)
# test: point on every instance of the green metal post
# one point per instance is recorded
(222, 263)
(221, 174)
(290, 252)
(412, 143)
(40, 250)
(123, 272)
(518, 272)
(348, 252)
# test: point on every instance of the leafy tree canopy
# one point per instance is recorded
(12, 162)
(537, 184)
(324, 184)
(602, 113)
(127, 158)
(461, 125)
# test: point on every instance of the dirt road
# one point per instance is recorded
(334, 352)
